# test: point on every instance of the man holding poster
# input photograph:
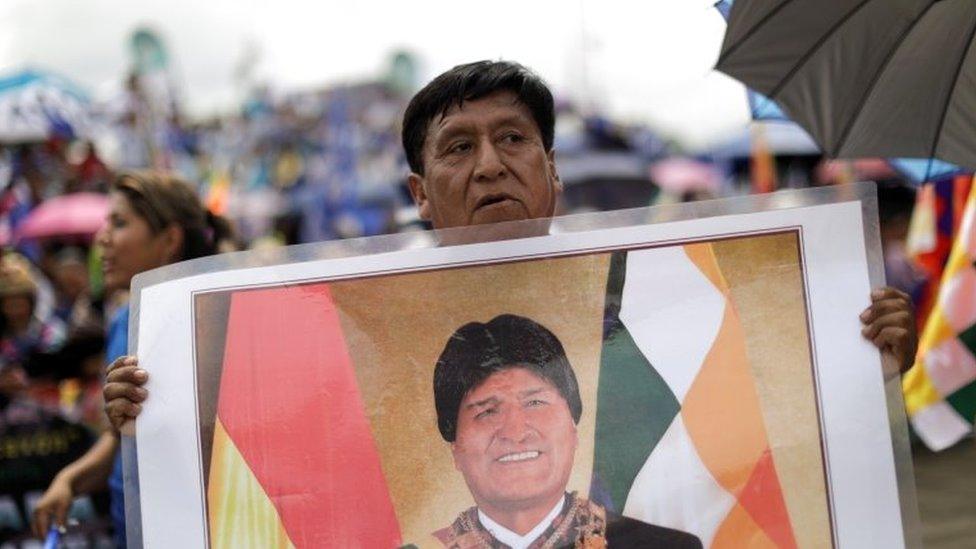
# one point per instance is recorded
(479, 141)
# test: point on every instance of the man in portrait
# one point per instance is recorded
(508, 403)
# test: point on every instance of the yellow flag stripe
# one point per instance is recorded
(919, 390)
(917, 385)
(240, 514)
(937, 330)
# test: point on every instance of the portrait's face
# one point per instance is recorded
(485, 163)
(515, 441)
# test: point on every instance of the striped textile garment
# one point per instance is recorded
(940, 389)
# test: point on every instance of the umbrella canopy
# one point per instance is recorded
(77, 214)
(917, 170)
(36, 105)
(866, 78)
(922, 170)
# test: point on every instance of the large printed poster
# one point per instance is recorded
(622, 390)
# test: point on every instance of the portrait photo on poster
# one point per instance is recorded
(484, 355)
(678, 384)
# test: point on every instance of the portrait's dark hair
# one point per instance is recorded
(467, 83)
(476, 351)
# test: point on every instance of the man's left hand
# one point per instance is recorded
(889, 323)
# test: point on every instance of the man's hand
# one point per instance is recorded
(52, 508)
(889, 323)
(123, 391)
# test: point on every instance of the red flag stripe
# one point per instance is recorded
(290, 402)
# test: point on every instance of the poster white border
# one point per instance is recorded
(867, 499)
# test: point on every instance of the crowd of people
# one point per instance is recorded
(53, 428)
(304, 167)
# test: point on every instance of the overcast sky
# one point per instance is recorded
(647, 60)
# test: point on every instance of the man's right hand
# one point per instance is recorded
(123, 390)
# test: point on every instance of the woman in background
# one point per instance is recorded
(155, 219)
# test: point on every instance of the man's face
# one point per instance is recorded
(485, 163)
(515, 442)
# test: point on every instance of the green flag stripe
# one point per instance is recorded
(968, 338)
(964, 401)
(634, 406)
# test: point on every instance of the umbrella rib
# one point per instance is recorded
(874, 82)
(755, 28)
(952, 91)
(815, 47)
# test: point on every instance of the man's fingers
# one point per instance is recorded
(127, 374)
(128, 391)
(122, 361)
(889, 323)
(891, 336)
(898, 319)
(883, 307)
(123, 391)
(887, 292)
(121, 410)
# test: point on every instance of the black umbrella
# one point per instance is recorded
(866, 78)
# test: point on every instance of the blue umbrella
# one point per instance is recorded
(918, 170)
(36, 105)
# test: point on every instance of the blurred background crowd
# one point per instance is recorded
(323, 162)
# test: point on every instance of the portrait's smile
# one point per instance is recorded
(519, 457)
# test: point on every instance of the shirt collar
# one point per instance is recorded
(514, 540)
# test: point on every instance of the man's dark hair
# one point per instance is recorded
(476, 351)
(467, 83)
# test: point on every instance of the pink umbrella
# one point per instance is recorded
(684, 174)
(77, 214)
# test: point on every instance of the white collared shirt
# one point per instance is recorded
(514, 540)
